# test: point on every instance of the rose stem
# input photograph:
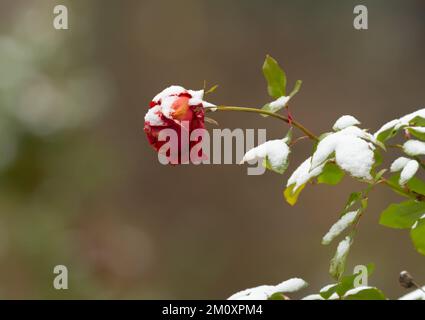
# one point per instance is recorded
(271, 114)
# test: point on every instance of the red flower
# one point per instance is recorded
(182, 111)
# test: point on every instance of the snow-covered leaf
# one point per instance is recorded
(408, 171)
(345, 122)
(418, 132)
(338, 262)
(313, 297)
(327, 291)
(351, 149)
(355, 156)
(399, 164)
(419, 119)
(274, 152)
(391, 128)
(387, 131)
(414, 147)
(343, 223)
(408, 168)
(276, 105)
(346, 283)
(417, 294)
(266, 291)
(297, 181)
(364, 293)
(291, 285)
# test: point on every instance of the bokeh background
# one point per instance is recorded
(80, 186)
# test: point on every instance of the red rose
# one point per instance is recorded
(180, 110)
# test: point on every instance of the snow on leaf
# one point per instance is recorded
(344, 122)
(414, 147)
(355, 156)
(291, 285)
(364, 293)
(417, 294)
(399, 164)
(313, 297)
(279, 103)
(275, 152)
(303, 174)
(343, 223)
(389, 129)
(337, 266)
(266, 291)
(352, 151)
(408, 171)
(418, 132)
(324, 150)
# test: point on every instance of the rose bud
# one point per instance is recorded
(180, 110)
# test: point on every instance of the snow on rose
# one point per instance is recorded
(180, 110)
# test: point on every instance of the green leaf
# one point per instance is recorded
(387, 134)
(326, 294)
(366, 294)
(211, 90)
(402, 215)
(417, 121)
(277, 296)
(275, 77)
(395, 186)
(290, 196)
(346, 283)
(297, 88)
(418, 134)
(288, 137)
(379, 175)
(338, 262)
(278, 169)
(378, 158)
(352, 200)
(416, 185)
(331, 174)
(418, 235)
(364, 202)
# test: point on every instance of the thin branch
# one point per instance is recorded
(271, 114)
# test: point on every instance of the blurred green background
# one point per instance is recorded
(80, 186)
